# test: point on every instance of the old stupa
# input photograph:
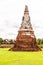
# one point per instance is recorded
(26, 40)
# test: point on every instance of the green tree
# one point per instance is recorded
(39, 41)
(1, 40)
(42, 41)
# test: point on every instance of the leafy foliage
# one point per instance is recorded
(39, 41)
(1, 40)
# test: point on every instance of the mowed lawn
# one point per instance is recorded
(20, 58)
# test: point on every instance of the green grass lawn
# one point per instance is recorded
(20, 58)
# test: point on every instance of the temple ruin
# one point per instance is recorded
(26, 40)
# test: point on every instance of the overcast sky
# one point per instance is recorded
(11, 12)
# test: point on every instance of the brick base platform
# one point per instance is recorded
(29, 45)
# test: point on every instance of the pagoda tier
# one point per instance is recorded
(26, 40)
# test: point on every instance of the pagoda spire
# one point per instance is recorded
(26, 11)
(26, 24)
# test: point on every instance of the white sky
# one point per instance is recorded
(11, 12)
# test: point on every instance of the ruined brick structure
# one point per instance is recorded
(26, 40)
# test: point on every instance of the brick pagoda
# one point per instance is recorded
(26, 40)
